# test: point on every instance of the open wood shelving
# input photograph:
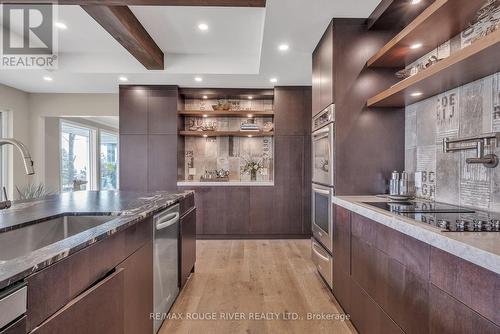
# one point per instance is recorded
(226, 113)
(471, 63)
(226, 133)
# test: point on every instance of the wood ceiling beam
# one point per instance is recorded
(122, 25)
(208, 3)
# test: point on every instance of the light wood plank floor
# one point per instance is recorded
(254, 276)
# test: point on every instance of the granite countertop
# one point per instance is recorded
(480, 248)
(127, 208)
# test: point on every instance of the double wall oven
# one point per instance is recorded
(323, 189)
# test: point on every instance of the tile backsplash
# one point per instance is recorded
(468, 110)
(472, 109)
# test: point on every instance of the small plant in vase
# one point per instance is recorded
(252, 167)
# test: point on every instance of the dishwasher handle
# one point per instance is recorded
(167, 221)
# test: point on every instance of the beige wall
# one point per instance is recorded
(28, 114)
(15, 102)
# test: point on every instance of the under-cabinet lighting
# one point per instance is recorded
(249, 115)
(47, 78)
(205, 116)
(250, 97)
(205, 136)
(414, 2)
(205, 97)
(416, 94)
(250, 136)
(416, 46)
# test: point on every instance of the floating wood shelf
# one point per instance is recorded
(226, 133)
(469, 64)
(395, 14)
(438, 23)
(211, 113)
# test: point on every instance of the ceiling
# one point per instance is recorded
(240, 48)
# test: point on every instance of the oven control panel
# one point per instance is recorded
(325, 117)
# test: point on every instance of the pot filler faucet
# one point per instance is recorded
(28, 164)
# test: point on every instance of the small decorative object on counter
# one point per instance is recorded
(252, 167)
(394, 184)
(218, 175)
(404, 184)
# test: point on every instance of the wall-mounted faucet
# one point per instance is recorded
(28, 163)
(477, 143)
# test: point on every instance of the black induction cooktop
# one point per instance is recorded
(419, 207)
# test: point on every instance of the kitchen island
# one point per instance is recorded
(90, 267)
(412, 277)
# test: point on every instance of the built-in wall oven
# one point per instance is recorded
(323, 190)
(323, 139)
(322, 220)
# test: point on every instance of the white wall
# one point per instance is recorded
(41, 106)
(16, 103)
(27, 116)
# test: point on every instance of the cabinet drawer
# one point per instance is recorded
(18, 327)
(323, 261)
(100, 309)
(53, 287)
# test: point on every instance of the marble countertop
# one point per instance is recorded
(480, 248)
(127, 207)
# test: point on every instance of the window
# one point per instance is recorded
(77, 169)
(108, 161)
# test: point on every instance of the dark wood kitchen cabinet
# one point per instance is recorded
(148, 137)
(323, 72)
(103, 288)
(187, 238)
(397, 284)
(100, 309)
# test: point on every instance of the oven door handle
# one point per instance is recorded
(323, 133)
(319, 254)
(321, 191)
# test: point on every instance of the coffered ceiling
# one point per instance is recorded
(239, 48)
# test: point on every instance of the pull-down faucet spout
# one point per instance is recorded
(28, 163)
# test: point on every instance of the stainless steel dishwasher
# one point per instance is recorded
(165, 261)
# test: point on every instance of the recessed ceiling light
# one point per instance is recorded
(198, 79)
(205, 97)
(203, 26)
(416, 46)
(61, 25)
(123, 79)
(47, 78)
(417, 94)
(273, 80)
(414, 2)
(283, 47)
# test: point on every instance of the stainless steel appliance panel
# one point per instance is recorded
(323, 154)
(322, 220)
(165, 261)
(323, 262)
(13, 303)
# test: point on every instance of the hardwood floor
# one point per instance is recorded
(251, 277)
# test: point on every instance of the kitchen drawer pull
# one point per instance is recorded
(319, 254)
(169, 220)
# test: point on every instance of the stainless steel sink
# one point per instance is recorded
(25, 240)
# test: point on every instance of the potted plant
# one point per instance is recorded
(252, 167)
